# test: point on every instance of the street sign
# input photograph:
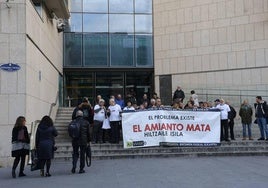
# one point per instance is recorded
(10, 67)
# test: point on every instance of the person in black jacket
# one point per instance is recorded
(20, 145)
(179, 94)
(85, 107)
(45, 143)
(80, 142)
(231, 116)
(261, 111)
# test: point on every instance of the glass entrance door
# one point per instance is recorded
(79, 84)
(109, 83)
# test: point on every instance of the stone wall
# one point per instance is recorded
(32, 42)
(212, 44)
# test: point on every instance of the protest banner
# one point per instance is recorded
(186, 128)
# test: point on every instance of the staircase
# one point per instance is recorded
(116, 151)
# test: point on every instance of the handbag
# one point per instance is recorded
(35, 162)
(88, 155)
(106, 124)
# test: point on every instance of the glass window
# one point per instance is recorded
(121, 6)
(73, 49)
(144, 50)
(109, 83)
(96, 6)
(38, 7)
(95, 49)
(76, 6)
(143, 6)
(143, 23)
(76, 22)
(95, 23)
(78, 85)
(121, 49)
(121, 23)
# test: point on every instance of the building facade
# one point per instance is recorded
(209, 44)
(108, 50)
(30, 39)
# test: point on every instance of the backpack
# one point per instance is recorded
(74, 129)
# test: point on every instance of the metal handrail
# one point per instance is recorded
(52, 105)
(32, 135)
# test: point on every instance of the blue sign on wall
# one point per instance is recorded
(10, 67)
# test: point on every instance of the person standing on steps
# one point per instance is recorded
(179, 94)
(80, 142)
(261, 111)
(20, 145)
(246, 112)
(231, 117)
(45, 144)
(224, 108)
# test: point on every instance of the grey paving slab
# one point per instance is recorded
(216, 172)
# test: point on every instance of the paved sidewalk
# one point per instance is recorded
(208, 172)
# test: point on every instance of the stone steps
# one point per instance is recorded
(116, 151)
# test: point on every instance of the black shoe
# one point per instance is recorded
(73, 170)
(13, 174)
(227, 140)
(21, 174)
(48, 174)
(261, 138)
(81, 171)
(266, 139)
(232, 138)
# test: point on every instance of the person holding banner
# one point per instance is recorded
(113, 113)
(99, 117)
(224, 108)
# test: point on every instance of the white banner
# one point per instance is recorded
(150, 128)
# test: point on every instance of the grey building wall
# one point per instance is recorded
(31, 41)
(213, 46)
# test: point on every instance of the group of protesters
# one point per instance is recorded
(107, 125)
(102, 123)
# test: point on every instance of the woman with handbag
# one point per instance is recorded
(20, 145)
(45, 144)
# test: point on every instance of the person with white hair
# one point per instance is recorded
(99, 117)
(224, 108)
(113, 113)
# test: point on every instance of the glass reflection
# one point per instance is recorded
(121, 23)
(96, 6)
(143, 6)
(143, 23)
(76, 5)
(72, 49)
(95, 49)
(121, 49)
(144, 50)
(121, 6)
(95, 23)
(76, 22)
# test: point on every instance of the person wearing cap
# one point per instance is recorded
(224, 108)
(79, 144)
(99, 117)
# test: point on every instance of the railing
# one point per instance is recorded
(235, 97)
(53, 105)
(32, 135)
